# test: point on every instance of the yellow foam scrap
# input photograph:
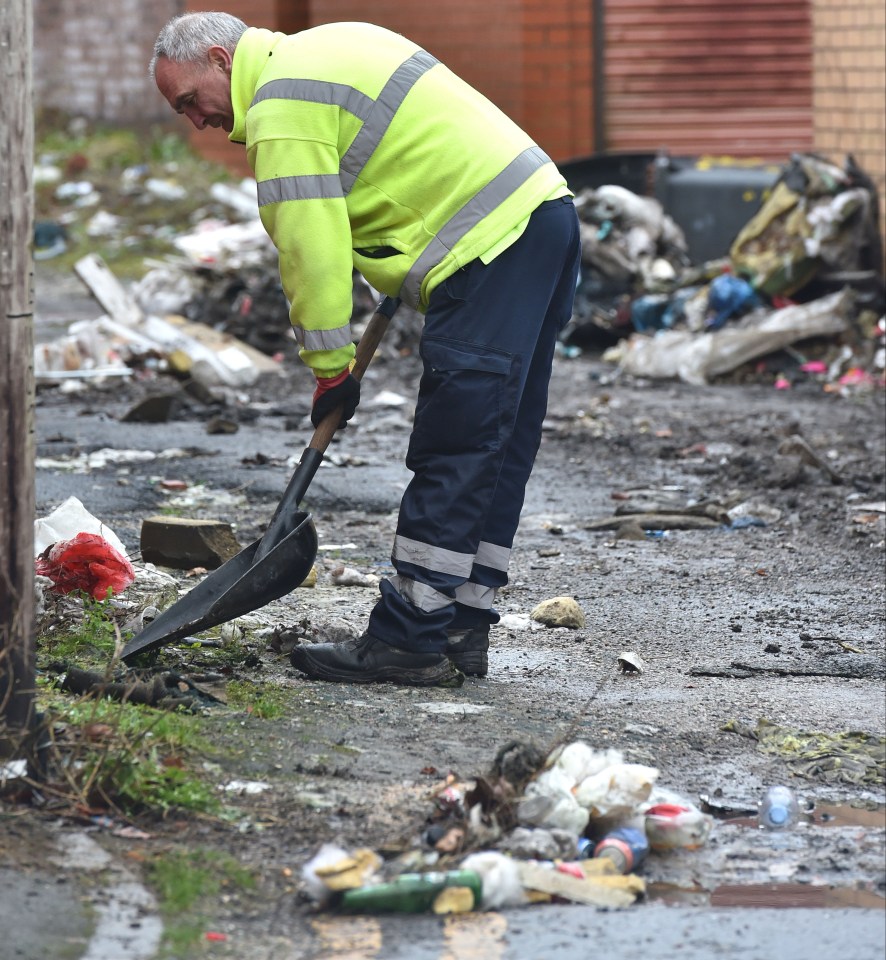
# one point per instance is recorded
(351, 872)
(454, 900)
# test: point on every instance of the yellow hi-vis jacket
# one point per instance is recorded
(370, 154)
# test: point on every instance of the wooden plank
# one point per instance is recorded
(17, 496)
(108, 290)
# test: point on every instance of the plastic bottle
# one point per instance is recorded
(779, 809)
(410, 892)
(676, 826)
(626, 847)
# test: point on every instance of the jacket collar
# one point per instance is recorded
(250, 59)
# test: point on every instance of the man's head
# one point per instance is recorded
(192, 66)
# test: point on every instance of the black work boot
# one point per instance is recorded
(468, 649)
(370, 660)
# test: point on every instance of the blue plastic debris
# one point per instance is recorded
(729, 296)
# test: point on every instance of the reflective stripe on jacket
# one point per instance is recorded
(370, 154)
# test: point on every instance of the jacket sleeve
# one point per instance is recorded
(303, 209)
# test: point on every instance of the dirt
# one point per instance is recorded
(782, 621)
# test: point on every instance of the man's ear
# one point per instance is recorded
(220, 58)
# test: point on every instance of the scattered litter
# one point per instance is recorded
(12, 770)
(332, 870)
(698, 358)
(386, 398)
(518, 621)
(67, 520)
(850, 757)
(343, 576)
(676, 826)
(571, 826)
(246, 788)
(658, 315)
(779, 809)
(630, 662)
(87, 563)
(453, 709)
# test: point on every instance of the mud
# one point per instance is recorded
(784, 601)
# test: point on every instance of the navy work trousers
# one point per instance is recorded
(487, 348)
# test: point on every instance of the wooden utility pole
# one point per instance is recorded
(17, 498)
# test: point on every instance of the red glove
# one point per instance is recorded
(342, 391)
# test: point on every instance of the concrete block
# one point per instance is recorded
(181, 543)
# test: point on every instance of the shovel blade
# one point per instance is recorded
(241, 585)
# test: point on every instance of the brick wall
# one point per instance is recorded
(849, 98)
(532, 58)
(91, 59)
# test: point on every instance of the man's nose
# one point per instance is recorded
(196, 117)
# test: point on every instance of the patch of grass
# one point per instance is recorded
(118, 162)
(95, 635)
(260, 700)
(126, 756)
(184, 882)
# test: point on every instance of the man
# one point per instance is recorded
(370, 154)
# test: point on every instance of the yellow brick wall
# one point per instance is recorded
(849, 85)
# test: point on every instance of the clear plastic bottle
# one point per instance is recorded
(779, 809)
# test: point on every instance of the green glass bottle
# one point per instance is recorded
(410, 892)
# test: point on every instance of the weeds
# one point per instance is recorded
(96, 635)
(124, 757)
(182, 881)
(261, 701)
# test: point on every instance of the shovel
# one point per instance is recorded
(278, 562)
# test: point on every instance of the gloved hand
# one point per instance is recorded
(342, 390)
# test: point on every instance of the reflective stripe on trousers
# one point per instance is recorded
(487, 347)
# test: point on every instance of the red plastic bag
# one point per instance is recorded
(88, 563)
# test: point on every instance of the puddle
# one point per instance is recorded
(829, 815)
(767, 895)
(842, 815)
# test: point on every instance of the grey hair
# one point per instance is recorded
(187, 38)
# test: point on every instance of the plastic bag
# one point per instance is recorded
(88, 563)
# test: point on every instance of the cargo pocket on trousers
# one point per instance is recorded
(461, 399)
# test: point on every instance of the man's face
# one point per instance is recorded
(201, 91)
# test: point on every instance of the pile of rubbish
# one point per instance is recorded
(573, 826)
(807, 267)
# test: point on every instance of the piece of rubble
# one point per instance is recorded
(559, 612)
(155, 409)
(183, 543)
(343, 576)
